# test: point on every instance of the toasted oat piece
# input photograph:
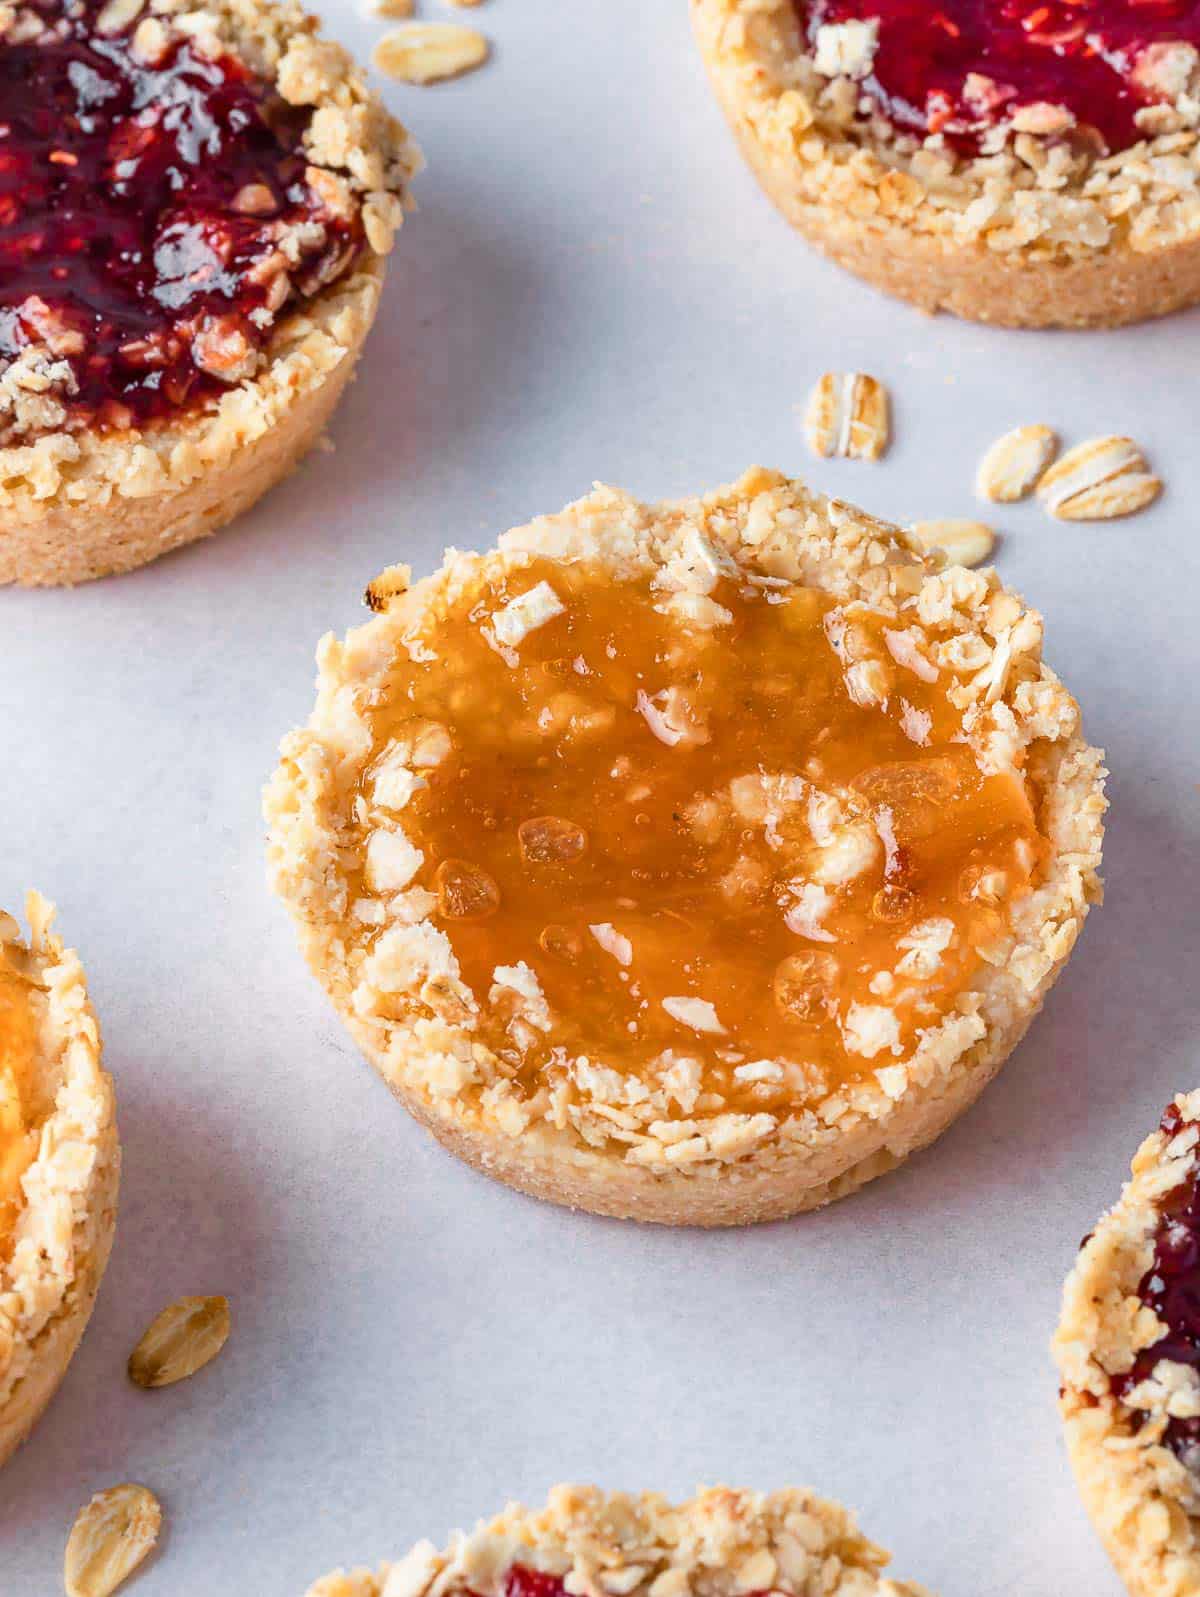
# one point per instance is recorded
(1127, 1349)
(1023, 218)
(181, 1339)
(1014, 464)
(964, 543)
(848, 414)
(429, 52)
(1098, 481)
(59, 1167)
(724, 1540)
(515, 770)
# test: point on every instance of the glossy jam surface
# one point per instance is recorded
(18, 1137)
(145, 206)
(692, 835)
(959, 66)
(1171, 1287)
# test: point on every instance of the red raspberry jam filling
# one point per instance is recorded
(1171, 1287)
(156, 214)
(962, 66)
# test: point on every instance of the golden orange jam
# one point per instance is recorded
(742, 828)
(18, 1137)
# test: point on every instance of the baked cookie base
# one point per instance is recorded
(48, 1287)
(559, 1171)
(54, 1348)
(62, 540)
(1023, 287)
(1117, 286)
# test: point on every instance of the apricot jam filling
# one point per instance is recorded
(959, 67)
(157, 213)
(18, 1133)
(741, 829)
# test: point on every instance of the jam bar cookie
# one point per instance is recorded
(723, 1543)
(59, 1167)
(196, 200)
(1033, 163)
(694, 862)
(1128, 1349)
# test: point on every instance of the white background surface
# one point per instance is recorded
(593, 288)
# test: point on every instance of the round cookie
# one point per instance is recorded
(193, 257)
(721, 1543)
(59, 1168)
(693, 862)
(941, 175)
(1128, 1351)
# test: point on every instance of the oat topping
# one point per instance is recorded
(1014, 464)
(1091, 68)
(724, 1542)
(429, 52)
(647, 839)
(1099, 480)
(188, 190)
(964, 543)
(848, 414)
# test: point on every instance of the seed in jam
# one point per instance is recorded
(616, 890)
(1171, 1288)
(157, 212)
(959, 67)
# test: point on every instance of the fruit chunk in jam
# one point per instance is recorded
(156, 213)
(18, 1136)
(959, 66)
(1171, 1287)
(734, 829)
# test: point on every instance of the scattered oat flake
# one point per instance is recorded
(964, 543)
(427, 52)
(393, 10)
(848, 414)
(1098, 481)
(1014, 464)
(186, 1336)
(110, 1538)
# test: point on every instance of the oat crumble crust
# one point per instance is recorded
(79, 505)
(1028, 234)
(1143, 1501)
(608, 1144)
(723, 1542)
(50, 1275)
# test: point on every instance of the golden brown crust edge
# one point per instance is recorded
(1097, 287)
(1140, 1498)
(48, 1287)
(194, 477)
(581, 1179)
(723, 1542)
(791, 1164)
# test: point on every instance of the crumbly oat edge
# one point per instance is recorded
(775, 526)
(62, 1232)
(722, 1543)
(87, 473)
(352, 136)
(1029, 200)
(1141, 1499)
